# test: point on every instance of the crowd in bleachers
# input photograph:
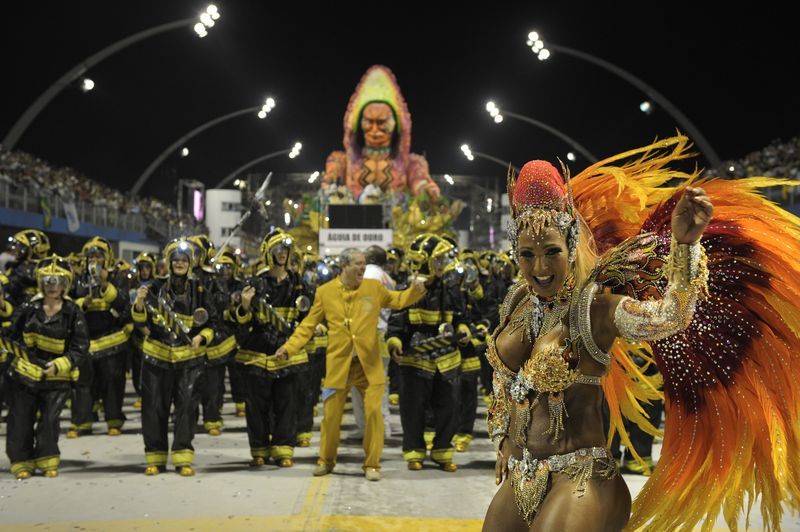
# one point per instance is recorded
(778, 159)
(41, 177)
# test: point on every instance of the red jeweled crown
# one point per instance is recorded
(539, 185)
(539, 198)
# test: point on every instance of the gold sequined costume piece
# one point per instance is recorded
(687, 272)
(530, 477)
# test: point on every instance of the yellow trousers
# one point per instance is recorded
(332, 419)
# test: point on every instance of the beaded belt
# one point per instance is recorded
(530, 476)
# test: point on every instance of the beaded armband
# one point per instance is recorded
(499, 416)
(580, 322)
(687, 274)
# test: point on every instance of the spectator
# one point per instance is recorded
(42, 179)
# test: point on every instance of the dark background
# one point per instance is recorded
(732, 73)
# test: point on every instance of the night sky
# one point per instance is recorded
(730, 74)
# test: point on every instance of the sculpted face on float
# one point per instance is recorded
(378, 125)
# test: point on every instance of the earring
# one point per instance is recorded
(572, 241)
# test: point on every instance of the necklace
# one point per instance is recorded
(376, 152)
(553, 315)
(538, 316)
(523, 319)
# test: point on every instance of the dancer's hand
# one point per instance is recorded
(501, 466)
(691, 215)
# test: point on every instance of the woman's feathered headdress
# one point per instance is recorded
(540, 197)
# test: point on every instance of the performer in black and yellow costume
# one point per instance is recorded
(224, 290)
(45, 341)
(180, 322)
(266, 317)
(6, 311)
(497, 274)
(232, 277)
(471, 283)
(27, 247)
(311, 375)
(108, 316)
(143, 275)
(429, 378)
(222, 347)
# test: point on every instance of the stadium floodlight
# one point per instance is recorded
(206, 19)
(537, 46)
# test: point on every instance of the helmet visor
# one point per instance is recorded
(54, 280)
(441, 261)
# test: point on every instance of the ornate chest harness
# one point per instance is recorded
(551, 370)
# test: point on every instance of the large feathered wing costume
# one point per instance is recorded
(732, 396)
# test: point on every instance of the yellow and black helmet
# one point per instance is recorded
(428, 248)
(272, 242)
(395, 254)
(205, 250)
(309, 268)
(486, 258)
(145, 257)
(228, 255)
(507, 263)
(416, 259)
(74, 260)
(256, 266)
(310, 260)
(179, 246)
(296, 258)
(469, 255)
(96, 245)
(122, 266)
(30, 243)
(54, 270)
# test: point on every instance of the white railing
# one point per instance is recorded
(21, 198)
(17, 197)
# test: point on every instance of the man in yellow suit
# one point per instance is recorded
(351, 305)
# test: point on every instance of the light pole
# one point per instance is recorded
(263, 111)
(205, 20)
(470, 154)
(537, 45)
(497, 115)
(293, 152)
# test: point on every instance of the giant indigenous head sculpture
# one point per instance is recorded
(377, 125)
(377, 142)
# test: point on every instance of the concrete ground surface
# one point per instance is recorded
(102, 487)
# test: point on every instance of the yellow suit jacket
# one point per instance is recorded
(352, 317)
